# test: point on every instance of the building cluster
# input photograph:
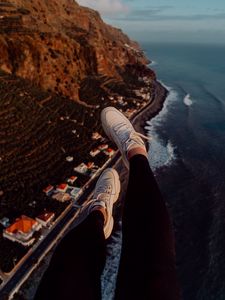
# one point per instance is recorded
(24, 228)
(117, 99)
(102, 148)
(64, 191)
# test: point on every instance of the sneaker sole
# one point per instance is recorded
(108, 229)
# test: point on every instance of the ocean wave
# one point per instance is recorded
(171, 98)
(171, 153)
(153, 63)
(187, 100)
(161, 153)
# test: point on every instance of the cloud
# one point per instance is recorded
(106, 7)
(144, 14)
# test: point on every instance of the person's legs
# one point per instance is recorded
(147, 267)
(78, 261)
(77, 264)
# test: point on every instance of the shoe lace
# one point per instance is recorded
(97, 200)
(120, 128)
(103, 190)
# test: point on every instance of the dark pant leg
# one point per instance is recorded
(147, 267)
(77, 264)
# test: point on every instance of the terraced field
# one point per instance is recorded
(38, 130)
(35, 139)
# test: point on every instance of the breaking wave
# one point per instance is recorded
(187, 100)
(161, 153)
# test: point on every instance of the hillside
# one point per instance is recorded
(59, 44)
(60, 64)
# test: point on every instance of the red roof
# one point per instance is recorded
(90, 165)
(102, 146)
(73, 177)
(62, 186)
(48, 189)
(46, 216)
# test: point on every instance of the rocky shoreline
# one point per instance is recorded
(139, 122)
(114, 244)
(151, 109)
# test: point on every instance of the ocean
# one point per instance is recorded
(187, 153)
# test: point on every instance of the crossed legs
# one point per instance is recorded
(147, 266)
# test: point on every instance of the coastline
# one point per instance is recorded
(151, 109)
(138, 120)
(154, 106)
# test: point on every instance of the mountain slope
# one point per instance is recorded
(57, 44)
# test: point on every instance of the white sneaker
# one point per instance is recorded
(120, 130)
(106, 193)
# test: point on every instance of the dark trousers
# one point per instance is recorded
(147, 266)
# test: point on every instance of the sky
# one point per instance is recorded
(197, 21)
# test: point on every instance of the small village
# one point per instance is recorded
(27, 229)
(24, 227)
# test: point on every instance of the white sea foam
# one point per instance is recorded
(171, 153)
(171, 98)
(187, 100)
(153, 63)
(161, 153)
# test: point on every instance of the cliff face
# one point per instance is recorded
(57, 44)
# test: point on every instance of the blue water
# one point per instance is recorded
(188, 156)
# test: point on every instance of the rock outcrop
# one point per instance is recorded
(57, 44)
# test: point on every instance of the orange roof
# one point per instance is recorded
(23, 224)
(90, 165)
(109, 150)
(46, 216)
(73, 177)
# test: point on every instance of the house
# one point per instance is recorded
(45, 219)
(109, 152)
(94, 152)
(111, 98)
(5, 222)
(61, 197)
(96, 136)
(75, 191)
(120, 98)
(72, 179)
(129, 112)
(62, 188)
(48, 190)
(122, 103)
(74, 131)
(90, 165)
(22, 230)
(138, 93)
(32, 204)
(103, 147)
(82, 168)
(69, 158)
